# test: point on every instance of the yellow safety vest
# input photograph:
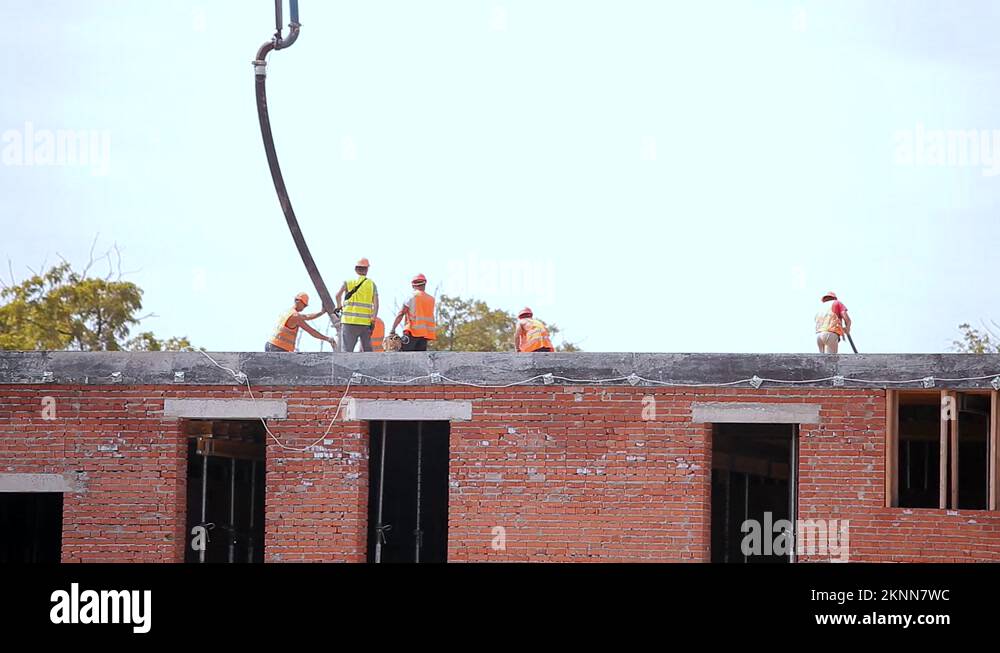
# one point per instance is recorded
(360, 308)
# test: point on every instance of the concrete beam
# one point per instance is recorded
(335, 369)
(225, 408)
(747, 413)
(406, 410)
(41, 483)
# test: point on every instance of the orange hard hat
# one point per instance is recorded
(830, 295)
(419, 279)
(302, 297)
(362, 263)
(525, 312)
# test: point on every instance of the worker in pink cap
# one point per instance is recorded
(832, 323)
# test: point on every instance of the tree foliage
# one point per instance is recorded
(62, 308)
(975, 341)
(471, 325)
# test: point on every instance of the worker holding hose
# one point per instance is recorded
(287, 331)
(832, 324)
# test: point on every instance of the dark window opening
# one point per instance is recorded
(408, 491)
(926, 437)
(225, 490)
(30, 526)
(973, 451)
(919, 450)
(753, 478)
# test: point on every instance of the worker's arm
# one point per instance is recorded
(340, 293)
(399, 318)
(301, 321)
(312, 316)
(847, 322)
(517, 336)
(375, 306)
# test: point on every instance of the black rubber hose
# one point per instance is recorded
(272, 158)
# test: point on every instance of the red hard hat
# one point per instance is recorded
(525, 312)
(830, 295)
(362, 263)
(302, 297)
(419, 279)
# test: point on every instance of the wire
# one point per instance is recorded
(632, 379)
(244, 380)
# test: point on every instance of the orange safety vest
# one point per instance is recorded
(827, 321)
(284, 336)
(378, 334)
(536, 335)
(420, 316)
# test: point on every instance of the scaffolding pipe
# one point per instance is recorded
(232, 511)
(253, 507)
(379, 527)
(418, 535)
(204, 496)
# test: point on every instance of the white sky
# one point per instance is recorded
(670, 176)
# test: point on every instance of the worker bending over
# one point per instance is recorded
(359, 308)
(832, 323)
(419, 311)
(287, 331)
(531, 334)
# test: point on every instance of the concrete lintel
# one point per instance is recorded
(225, 408)
(408, 410)
(41, 483)
(751, 413)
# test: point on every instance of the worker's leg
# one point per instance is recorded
(366, 339)
(544, 349)
(352, 333)
(270, 346)
(828, 342)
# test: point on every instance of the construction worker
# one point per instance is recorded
(531, 334)
(287, 330)
(419, 311)
(358, 310)
(832, 323)
(378, 333)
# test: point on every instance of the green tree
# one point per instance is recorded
(471, 325)
(62, 308)
(977, 342)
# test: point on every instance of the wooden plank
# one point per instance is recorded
(891, 448)
(954, 450)
(943, 466)
(994, 449)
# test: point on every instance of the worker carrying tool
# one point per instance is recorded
(378, 333)
(358, 310)
(531, 334)
(832, 324)
(287, 330)
(419, 312)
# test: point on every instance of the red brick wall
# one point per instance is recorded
(568, 473)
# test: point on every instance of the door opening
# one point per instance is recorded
(225, 491)
(408, 491)
(30, 526)
(753, 487)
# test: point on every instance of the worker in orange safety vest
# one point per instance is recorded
(378, 334)
(287, 330)
(419, 312)
(832, 324)
(531, 334)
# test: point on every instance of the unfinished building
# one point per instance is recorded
(447, 457)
